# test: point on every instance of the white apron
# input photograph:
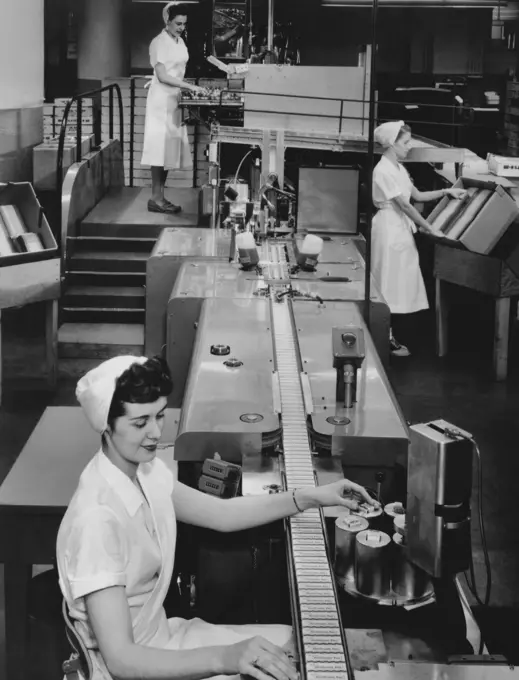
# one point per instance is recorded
(395, 261)
(149, 551)
(166, 142)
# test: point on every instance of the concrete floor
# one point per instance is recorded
(458, 388)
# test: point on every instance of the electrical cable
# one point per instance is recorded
(472, 585)
(241, 163)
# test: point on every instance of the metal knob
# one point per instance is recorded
(349, 339)
(220, 350)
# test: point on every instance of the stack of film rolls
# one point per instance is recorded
(457, 215)
(14, 237)
(370, 562)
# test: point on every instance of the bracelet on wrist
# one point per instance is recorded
(295, 501)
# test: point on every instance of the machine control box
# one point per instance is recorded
(439, 485)
(348, 346)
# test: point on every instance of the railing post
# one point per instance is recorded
(121, 115)
(111, 113)
(132, 128)
(79, 129)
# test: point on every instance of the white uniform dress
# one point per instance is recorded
(110, 536)
(166, 143)
(395, 261)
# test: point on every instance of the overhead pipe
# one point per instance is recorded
(425, 4)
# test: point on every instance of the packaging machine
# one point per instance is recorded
(289, 386)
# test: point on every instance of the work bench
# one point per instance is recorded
(490, 275)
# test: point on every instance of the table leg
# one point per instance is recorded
(16, 587)
(442, 309)
(1, 358)
(51, 339)
(501, 336)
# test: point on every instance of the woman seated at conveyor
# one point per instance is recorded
(116, 543)
(395, 262)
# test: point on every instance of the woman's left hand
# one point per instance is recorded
(457, 193)
(345, 493)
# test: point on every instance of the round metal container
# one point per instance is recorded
(391, 511)
(407, 580)
(399, 525)
(372, 514)
(372, 563)
(346, 529)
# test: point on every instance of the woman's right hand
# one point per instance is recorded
(260, 659)
(196, 88)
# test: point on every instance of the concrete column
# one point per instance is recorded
(21, 90)
(103, 44)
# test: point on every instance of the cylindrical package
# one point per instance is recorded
(372, 563)
(247, 251)
(443, 220)
(13, 220)
(346, 529)
(475, 204)
(6, 245)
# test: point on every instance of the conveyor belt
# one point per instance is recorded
(317, 619)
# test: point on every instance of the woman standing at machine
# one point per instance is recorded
(116, 543)
(395, 260)
(166, 144)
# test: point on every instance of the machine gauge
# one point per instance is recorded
(233, 363)
(338, 420)
(220, 350)
(251, 418)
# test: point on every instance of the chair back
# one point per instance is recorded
(79, 665)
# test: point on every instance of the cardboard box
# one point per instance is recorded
(23, 197)
(503, 166)
(492, 221)
(45, 159)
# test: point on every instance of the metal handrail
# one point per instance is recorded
(341, 117)
(64, 121)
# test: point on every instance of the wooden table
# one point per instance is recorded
(24, 284)
(488, 275)
(33, 500)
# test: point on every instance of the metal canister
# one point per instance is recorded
(372, 563)
(346, 529)
(407, 580)
(372, 514)
(391, 511)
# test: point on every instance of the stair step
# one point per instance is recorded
(124, 297)
(103, 314)
(102, 334)
(100, 278)
(78, 244)
(108, 260)
(99, 341)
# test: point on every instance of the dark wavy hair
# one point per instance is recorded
(140, 384)
(403, 130)
(178, 10)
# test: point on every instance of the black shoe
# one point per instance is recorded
(166, 208)
(397, 349)
(177, 208)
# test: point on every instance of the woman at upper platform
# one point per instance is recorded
(395, 261)
(166, 143)
(116, 543)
